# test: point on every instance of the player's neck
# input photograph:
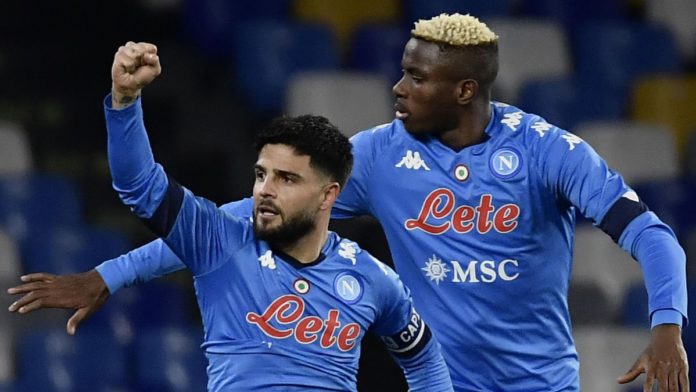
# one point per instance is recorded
(308, 248)
(471, 127)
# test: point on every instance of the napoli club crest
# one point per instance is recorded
(348, 287)
(505, 162)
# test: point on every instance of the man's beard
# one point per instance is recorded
(288, 232)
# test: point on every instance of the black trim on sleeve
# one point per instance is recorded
(411, 340)
(163, 219)
(620, 215)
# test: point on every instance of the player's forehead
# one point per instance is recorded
(426, 57)
(282, 157)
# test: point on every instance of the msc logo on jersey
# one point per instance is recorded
(412, 160)
(486, 271)
(348, 287)
(435, 270)
(505, 162)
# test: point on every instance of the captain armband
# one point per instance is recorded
(411, 340)
(624, 210)
(163, 219)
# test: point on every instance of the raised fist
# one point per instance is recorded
(135, 66)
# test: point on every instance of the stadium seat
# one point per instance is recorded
(588, 304)
(153, 304)
(634, 312)
(672, 201)
(37, 200)
(689, 244)
(268, 54)
(606, 353)
(70, 249)
(678, 17)
(667, 101)
(341, 97)
(639, 152)
(211, 24)
(345, 16)
(15, 152)
(6, 353)
(170, 359)
(597, 259)
(613, 56)
(571, 14)
(52, 361)
(425, 9)
(568, 102)
(690, 161)
(529, 50)
(378, 48)
(10, 263)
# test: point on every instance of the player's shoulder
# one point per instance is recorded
(358, 260)
(379, 137)
(529, 128)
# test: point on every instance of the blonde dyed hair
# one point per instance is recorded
(455, 29)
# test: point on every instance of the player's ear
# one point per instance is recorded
(329, 195)
(466, 90)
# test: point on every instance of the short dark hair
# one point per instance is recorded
(328, 149)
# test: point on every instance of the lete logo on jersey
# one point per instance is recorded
(440, 204)
(289, 309)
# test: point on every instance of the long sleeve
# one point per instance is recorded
(576, 173)
(407, 337)
(201, 235)
(154, 259)
(427, 370)
(140, 265)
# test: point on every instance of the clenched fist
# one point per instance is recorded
(135, 66)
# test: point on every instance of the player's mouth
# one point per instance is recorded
(401, 111)
(267, 212)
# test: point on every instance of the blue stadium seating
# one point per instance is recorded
(268, 53)
(573, 13)
(378, 48)
(153, 304)
(52, 361)
(424, 9)
(171, 360)
(69, 249)
(567, 102)
(672, 201)
(37, 200)
(614, 55)
(634, 312)
(210, 24)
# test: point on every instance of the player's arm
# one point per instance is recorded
(155, 259)
(88, 291)
(194, 228)
(576, 173)
(408, 337)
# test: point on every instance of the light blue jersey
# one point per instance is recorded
(483, 237)
(271, 322)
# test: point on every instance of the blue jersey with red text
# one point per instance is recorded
(483, 237)
(271, 322)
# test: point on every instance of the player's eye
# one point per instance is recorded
(260, 175)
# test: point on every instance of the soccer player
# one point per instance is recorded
(477, 199)
(285, 303)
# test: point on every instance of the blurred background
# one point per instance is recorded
(618, 73)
